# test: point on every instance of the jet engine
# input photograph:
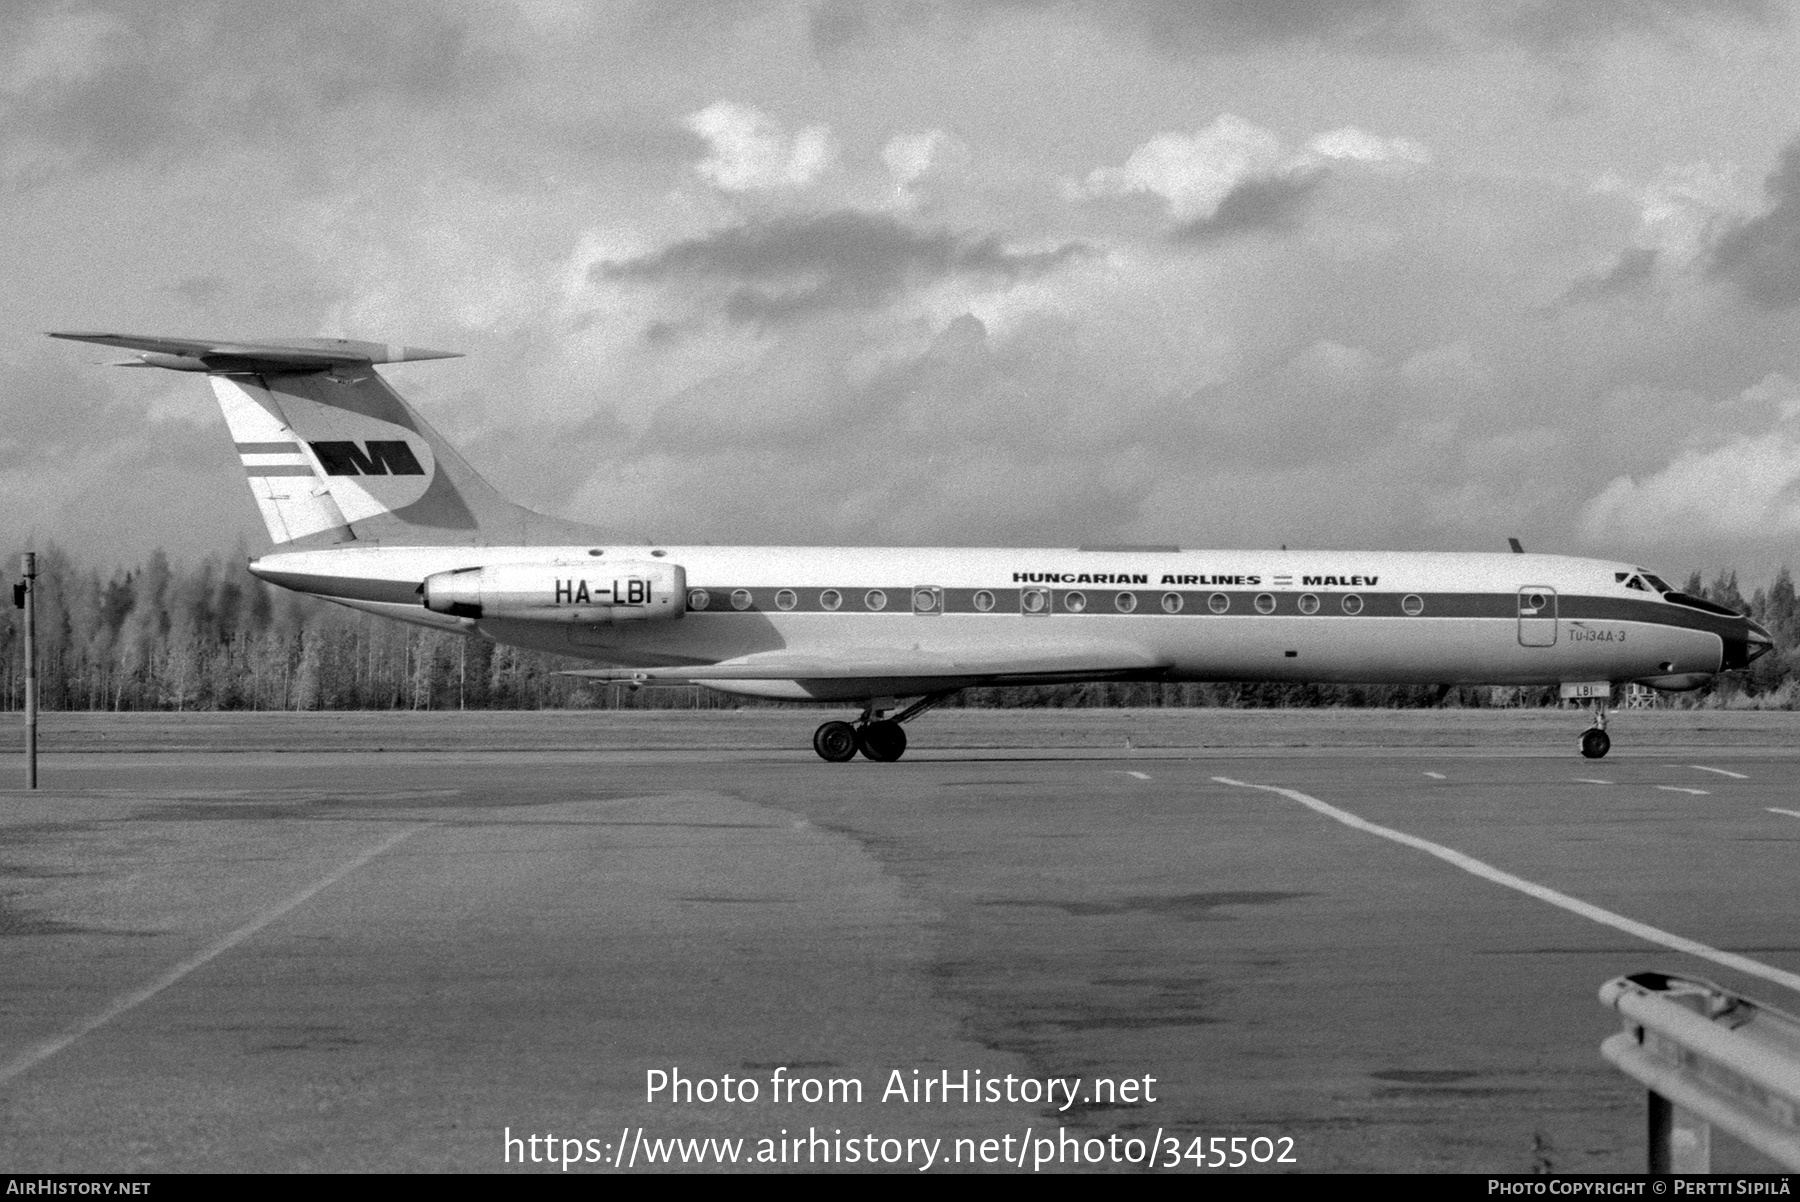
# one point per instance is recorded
(550, 592)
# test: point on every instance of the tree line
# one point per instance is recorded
(210, 636)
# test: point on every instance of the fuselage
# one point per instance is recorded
(1315, 616)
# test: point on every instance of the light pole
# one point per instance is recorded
(28, 599)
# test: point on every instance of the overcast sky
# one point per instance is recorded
(1230, 273)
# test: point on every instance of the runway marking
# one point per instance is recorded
(1128, 772)
(1680, 789)
(1543, 893)
(1779, 810)
(1591, 780)
(42, 1051)
(1436, 775)
(1720, 771)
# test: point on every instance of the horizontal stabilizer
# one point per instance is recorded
(287, 354)
(989, 662)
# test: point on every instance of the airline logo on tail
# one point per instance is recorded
(316, 468)
(377, 457)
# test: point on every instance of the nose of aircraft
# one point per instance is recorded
(1756, 643)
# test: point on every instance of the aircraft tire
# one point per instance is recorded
(883, 742)
(836, 742)
(1595, 744)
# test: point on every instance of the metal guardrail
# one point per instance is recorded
(1710, 1058)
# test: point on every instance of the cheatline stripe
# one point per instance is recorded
(40, 1052)
(1574, 905)
(257, 469)
(268, 448)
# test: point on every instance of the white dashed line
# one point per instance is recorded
(1720, 771)
(1779, 810)
(41, 1052)
(1543, 893)
(1591, 780)
(1128, 772)
(1681, 789)
(1436, 775)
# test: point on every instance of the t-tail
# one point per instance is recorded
(334, 455)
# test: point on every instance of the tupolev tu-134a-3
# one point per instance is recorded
(369, 507)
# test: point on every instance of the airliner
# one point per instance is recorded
(369, 507)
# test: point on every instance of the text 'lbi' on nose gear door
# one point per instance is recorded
(1537, 616)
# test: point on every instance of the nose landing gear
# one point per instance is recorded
(1595, 742)
(878, 738)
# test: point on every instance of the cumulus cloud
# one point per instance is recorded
(915, 159)
(1195, 172)
(749, 151)
(1681, 217)
(1747, 487)
(1360, 146)
(781, 268)
(1234, 176)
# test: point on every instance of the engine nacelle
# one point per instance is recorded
(552, 592)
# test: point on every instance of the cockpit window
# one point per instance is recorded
(1658, 583)
(1638, 584)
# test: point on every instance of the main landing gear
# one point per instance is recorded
(1595, 742)
(879, 738)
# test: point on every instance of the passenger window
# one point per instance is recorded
(1218, 603)
(831, 598)
(740, 598)
(786, 599)
(1171, 603)
(1413, 604)
(1309, 604)
(984, 600)
(1074, 602)
(1352, 603)
(875, 599)
(698, 598)
(1265, 603)
(1125, 602)
(1034, 600)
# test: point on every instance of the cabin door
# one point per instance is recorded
(1537, 616)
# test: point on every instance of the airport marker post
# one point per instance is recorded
(26, 595)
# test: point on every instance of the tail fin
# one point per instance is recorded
(334, 455)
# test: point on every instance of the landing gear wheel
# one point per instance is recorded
(883, 742)
(1595, 744)
(835, 742)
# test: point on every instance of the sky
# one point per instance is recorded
(1223, 273)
